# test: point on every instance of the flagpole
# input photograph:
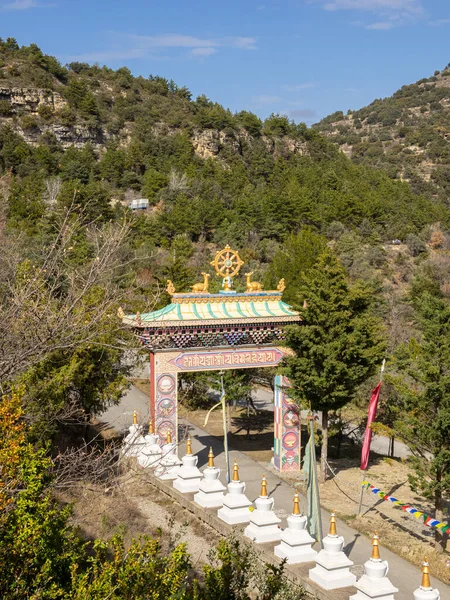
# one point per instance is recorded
(365, 470)
(225, 429)
(224, 423)
(316, 482)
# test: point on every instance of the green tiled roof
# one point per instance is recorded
(263, 308)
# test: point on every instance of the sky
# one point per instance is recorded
(303, 58)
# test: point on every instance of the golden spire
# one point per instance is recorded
(235, 471)
(296, 510)
(332, 524)
(151, 429)
(134, 417)
(169, 436)
(426, 584)
(210, 457)
(375, 546)
(189, 445)
(263, 487)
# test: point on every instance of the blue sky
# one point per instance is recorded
(304, 58)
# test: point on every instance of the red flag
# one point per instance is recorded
(370, 419)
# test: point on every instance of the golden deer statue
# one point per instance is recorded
(252, 286)
(202, 287)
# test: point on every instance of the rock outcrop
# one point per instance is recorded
(29, 100)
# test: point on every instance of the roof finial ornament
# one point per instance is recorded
(227, 264)
(151, 429)
(281, 285)
(252, 286)
(296, 510)
(202, 287)
(135, 419)
(120, 313)
(169, 436)
(170, 289)
(188, 446)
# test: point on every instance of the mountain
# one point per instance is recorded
(107, 137)
(407, 134)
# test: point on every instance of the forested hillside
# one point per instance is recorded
(105, 137)
(407, 134)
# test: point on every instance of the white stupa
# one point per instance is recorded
(236, 505)
(210, 491)
(150, 453)
(332, 566)
(296, 543)
(374, 583)
(133, 442)
(169, 463)
(264, 524)
(425, 591)
(188, 475)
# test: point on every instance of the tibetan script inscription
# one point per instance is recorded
(199, 361)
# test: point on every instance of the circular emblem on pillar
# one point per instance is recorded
(166, 384)
(164, 427)
(290, 440)
(166, 407)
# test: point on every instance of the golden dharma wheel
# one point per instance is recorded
(227, 262)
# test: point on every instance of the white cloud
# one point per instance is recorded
(299, 86)
(24, 5)
(265, 99)
(397, 12)
(128, 46)
(406, 7)
(203, 51)
(381, 25)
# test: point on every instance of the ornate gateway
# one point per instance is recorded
(200, 331)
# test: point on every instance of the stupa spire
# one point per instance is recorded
(210, 457)
(263, 487)
(333, 530)
(375, 547)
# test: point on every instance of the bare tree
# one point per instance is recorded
(178, 182)
(52, 189)
(49, 302)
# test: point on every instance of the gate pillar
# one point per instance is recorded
(287, 428)
(163, 402)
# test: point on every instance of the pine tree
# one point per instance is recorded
(423, 387)
(337, 346)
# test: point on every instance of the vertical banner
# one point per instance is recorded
(287, 428)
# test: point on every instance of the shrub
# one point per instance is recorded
(5, 108)
(28, 123)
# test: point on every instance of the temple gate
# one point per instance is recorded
(200, 331)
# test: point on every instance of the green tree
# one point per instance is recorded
(153, 182)
(298, 254)
(338, 345)
(423, 409)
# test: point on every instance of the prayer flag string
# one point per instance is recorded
(429, 521)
